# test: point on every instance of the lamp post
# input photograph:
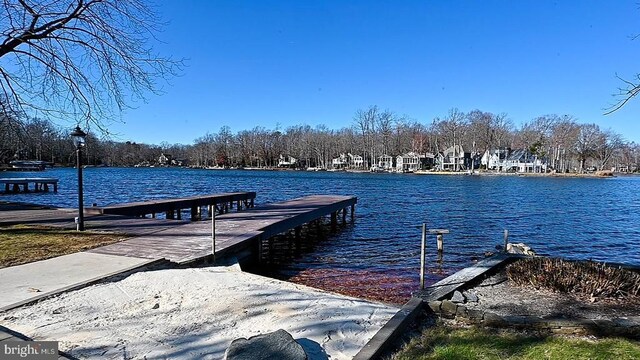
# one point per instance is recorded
(78, 137)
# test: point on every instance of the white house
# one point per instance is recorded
(408, 162)
(340, 162)
(287, 161)
(523, 161)
(385, 162)
(164, 159)
(494, 159)
(452, 159)
(356, 161)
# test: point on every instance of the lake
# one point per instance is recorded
(577, 218)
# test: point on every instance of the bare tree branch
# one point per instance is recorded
(79, 60)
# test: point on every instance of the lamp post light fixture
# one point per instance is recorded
(78, 137)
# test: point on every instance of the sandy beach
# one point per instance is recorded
(196, 313)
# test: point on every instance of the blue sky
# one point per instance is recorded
(270, 63)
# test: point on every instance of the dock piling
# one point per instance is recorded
(213, 236)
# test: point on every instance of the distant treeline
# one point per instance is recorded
(372, 132)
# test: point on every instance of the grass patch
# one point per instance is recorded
(443, 342)
(24, 244)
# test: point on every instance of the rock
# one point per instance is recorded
(156, 306)
(448, 309)
(470, 297)
(275, 345)
(462, 311)
(457, 297)
(520, 248)
(435, 306)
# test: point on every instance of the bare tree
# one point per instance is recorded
(609, 143)
(587, 143)
(78, 59)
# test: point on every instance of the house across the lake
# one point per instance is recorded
(519, 160)
(408, 162)
(385, 163)
(452, 159)
(287, 161)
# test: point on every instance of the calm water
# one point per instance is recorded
(578, 218)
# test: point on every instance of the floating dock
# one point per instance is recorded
(16, 185)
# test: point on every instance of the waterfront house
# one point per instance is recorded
(287, 161)
(494, 159)
(408, 162)
(385, 162)
(340, 162)
(523, 161)
(452, 159)
(356, 161)
(164, 159)
(427, 161)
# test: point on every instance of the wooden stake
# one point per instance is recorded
(506, 239)
(422, 254)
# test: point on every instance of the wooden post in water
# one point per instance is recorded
(440, 241)
(353, 211)
(422, 254)
(506, 239)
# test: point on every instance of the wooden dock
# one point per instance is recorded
(172, 208)
(16, 185)
(236, 232)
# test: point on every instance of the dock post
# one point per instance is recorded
(213, 236)
(169, 214)
(506, 239)
(423, 246)
(344, 216)
(353, 211)
(440, 241)
(179, 214)
(194, 213)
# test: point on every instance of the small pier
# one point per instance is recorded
(16, 185)
(172, 208)
(241, 234)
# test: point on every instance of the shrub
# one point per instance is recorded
(578, 277)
